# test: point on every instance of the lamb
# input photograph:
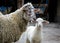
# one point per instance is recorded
(14, 24)
(34, 32)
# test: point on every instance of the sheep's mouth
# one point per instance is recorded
(33, 20)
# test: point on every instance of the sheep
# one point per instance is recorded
(14, 24)
(34, 32)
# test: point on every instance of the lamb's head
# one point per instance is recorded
(40, 21)
(29, 13)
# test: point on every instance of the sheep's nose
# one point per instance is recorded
(30, 21)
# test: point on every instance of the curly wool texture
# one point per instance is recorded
(11, 27)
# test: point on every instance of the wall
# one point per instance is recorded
(52, 10)
(58, 11)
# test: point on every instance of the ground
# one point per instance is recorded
(51, 33)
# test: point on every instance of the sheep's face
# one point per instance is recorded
(40, 21)
(29, 12)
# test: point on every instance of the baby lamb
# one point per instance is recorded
(34, 32)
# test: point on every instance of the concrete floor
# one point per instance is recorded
(51, 33)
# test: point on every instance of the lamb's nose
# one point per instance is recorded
(39, 25)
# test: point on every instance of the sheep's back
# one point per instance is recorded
(9, 31)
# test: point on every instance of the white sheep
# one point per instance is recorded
(14, 24)
(34, 32)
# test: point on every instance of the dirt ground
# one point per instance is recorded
(51, 33)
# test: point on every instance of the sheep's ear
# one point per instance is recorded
(46, 22)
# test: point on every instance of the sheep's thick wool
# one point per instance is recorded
(11, 27)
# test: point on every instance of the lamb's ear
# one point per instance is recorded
(46, 22)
